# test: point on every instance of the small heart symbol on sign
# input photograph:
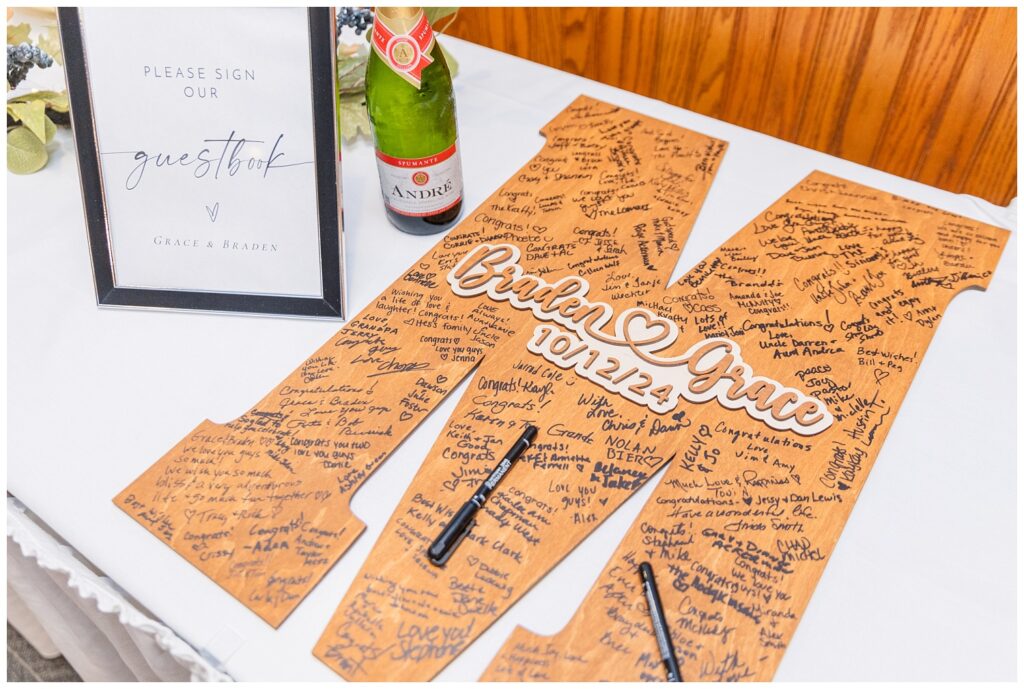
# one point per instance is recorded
(424, 266)
(441, 380)
(189, 513)
(642, 328)
(404, 416)
(747, 499)
(212, 212)
(909, 316)
(842, 486)
(449, 485)
(603, 501)
(579, 467)
(829, 327)
(880, 375)
(472, 560)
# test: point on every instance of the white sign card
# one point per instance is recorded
(207, 146)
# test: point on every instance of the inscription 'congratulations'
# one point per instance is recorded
(621, 354)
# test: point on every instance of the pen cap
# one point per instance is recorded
(530, 433)
(443, 547)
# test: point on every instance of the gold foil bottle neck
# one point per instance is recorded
(398, 12)
(399, 19)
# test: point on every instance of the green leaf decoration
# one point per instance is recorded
(25, 152)
(352, 118)
(453, 64)
(436, 13)
(18, 33)
(55, 100)
(49, 41)
(60, 102)
(51, 129)
(32, 115)
(352, 68)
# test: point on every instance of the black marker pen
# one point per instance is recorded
(668, 652)
(443, 547)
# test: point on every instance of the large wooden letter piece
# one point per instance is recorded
(834, 291)
(839, 289)
(261, 504)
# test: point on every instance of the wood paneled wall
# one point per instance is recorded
(924, 93)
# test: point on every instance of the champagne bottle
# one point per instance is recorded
(411, 106)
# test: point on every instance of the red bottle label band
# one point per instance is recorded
(419, 162)
(420, 187)
(404, 45)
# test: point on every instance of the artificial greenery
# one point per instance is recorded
(353, 121)
(32, 117)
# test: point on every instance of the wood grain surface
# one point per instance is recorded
(766, 378)
(622, 183)
(837, 289)
(924, 93)
(819, 313)
(261, 504)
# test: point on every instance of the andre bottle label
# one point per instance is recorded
(411, 105)
(404, 44)
(421, 187)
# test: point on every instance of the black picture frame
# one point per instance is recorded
(331, 304)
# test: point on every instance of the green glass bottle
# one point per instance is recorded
(411, 106)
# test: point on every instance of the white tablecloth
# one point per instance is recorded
(921, 585)
(62, 607)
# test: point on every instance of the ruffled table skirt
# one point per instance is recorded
(62, 606)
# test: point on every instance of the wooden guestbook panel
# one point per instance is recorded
(260, 504)
(837, 290)
(825, 303)
(766, 378)
(921, 92)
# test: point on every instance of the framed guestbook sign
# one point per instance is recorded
(208, 154)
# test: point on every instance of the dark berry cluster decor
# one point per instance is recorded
(358, 18)
(21, 58)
